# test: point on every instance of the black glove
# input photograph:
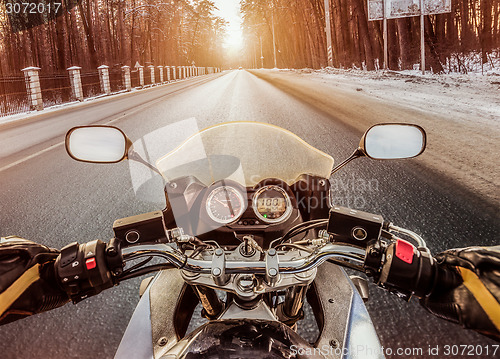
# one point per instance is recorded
(475, 302)
(27, 281)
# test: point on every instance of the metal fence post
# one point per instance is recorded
(104, 79)
(179, 73)
(76, 82)
(160, 68)
(127, 83)
(152, 72)
(173, 73)
(141, 75)
(33, 87)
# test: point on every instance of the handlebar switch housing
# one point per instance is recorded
(354, 227)
(407, 270)
(82, 270)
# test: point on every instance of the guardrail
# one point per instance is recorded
(36, 90)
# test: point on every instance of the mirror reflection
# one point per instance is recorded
(96, 144)
(392, 141)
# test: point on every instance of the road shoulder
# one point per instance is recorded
(459, 146)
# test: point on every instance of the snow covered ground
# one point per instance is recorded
(460, 112)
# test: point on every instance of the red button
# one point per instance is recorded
(404, 251)
(90, 263)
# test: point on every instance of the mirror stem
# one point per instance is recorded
(134, 156)
(356, 154)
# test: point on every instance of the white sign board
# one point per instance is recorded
(405, 8)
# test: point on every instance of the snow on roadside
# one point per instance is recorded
(461, 114)
(475, 96)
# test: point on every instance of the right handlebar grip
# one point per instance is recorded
(410, 271)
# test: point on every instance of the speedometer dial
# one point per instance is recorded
(272, 204)
(225, 204)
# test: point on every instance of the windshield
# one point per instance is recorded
(246, 152)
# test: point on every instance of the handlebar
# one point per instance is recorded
(258, 267)
(87, 269)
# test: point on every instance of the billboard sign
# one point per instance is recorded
(405, 8)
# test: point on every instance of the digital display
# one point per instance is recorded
(271, 207)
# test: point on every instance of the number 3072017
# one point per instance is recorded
(31, 7)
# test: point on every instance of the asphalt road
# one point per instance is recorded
(54, 200)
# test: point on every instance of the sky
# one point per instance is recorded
(230, 10)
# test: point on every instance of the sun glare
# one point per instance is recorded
(234, 39)
(230, 11)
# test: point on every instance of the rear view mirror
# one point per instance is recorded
(97, 144)
(393, 141)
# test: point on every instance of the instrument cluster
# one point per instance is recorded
(267, 204)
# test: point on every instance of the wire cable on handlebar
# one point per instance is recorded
(138, 265)
(300, 228)
(346, 264)
(297, 246)
(146, 270)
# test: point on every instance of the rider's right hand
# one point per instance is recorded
(475, 301)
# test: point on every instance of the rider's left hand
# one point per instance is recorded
(27, 281)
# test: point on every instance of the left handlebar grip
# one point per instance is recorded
(82, 269)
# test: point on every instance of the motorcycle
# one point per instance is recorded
(249, 233)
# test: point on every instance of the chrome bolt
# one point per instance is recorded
(216, 272)
(162, 341)
(246, 283)
(323, 234)
(272, 252)
(219, 252)
(334, 343)
(273, 272)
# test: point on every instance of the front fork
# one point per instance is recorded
(288, 312)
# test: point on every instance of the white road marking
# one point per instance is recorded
(36, 154)
(131, 112)
(30, 156)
